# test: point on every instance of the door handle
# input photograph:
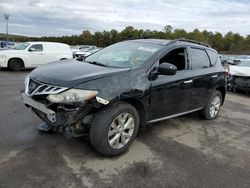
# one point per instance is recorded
(188, 82)
(214, 76)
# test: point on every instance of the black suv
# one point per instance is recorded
(114, 91)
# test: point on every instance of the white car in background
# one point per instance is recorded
(82, 49)
(243, 69)
(33, 54)
(86, 53)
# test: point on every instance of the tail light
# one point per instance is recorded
(226, 74)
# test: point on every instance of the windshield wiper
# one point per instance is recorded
(97, 63)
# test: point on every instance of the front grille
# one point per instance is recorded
(33, 87)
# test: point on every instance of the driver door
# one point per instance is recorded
(36, 55)
(171, 94)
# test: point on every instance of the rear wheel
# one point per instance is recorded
(15, 64)
(211, 111)
(114, 129)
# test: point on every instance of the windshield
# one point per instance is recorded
(245, 64)
(21, 46)
(125, 54)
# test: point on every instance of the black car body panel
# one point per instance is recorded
(154, 95)
(72, 72)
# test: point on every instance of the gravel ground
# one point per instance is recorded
(182, 152)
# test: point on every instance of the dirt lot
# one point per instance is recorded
(181, 152)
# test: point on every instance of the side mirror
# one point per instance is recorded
(167, 69)
(32, 49)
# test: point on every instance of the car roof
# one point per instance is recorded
(154, 41)
(42, 42)
(177, 41)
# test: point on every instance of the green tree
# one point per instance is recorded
(86, 37)
(229, 43)
(216, 41)
(179, 33)
(168, 29)
(114, 36)
(196, 35)
(128, 33)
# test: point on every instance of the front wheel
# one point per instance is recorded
(114, 129)
(15, 64)
(211, 111)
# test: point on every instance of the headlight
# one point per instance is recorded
(26, 80)
(72, 96)
(26, 84)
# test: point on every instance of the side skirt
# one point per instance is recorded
(172, 116)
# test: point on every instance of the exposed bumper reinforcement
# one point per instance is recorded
(51, 115)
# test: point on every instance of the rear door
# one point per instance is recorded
(201, 74)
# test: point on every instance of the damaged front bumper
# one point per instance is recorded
(72, 122)
(29, 102)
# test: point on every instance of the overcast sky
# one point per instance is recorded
(61, 17)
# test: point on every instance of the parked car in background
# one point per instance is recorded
(124, 86)
(82, 49)
(239, 77)
(6, 45)
(33, 54)
(86, 52)
(3, 44)
(237, 61)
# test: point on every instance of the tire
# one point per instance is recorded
(214, 103)
(107, 126)
(15, 64)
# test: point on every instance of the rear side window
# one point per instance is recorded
(199, 59)
(37, 47)
(213, 56)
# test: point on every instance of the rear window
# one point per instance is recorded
(213, 56)
(199, 59)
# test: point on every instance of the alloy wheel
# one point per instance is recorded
(121, 130)
(215, 106)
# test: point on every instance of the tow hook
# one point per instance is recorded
(68, 132)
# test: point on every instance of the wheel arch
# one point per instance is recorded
(140, 109)
(17, 58)
(222, 90)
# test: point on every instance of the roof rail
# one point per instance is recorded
(191, 41)
(142, 37)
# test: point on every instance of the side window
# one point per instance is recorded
(37, 47)
(176, 57)
(199, 59)
(213, 56)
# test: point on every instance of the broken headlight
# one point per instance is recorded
(72, 96)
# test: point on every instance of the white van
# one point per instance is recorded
(33, 54)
